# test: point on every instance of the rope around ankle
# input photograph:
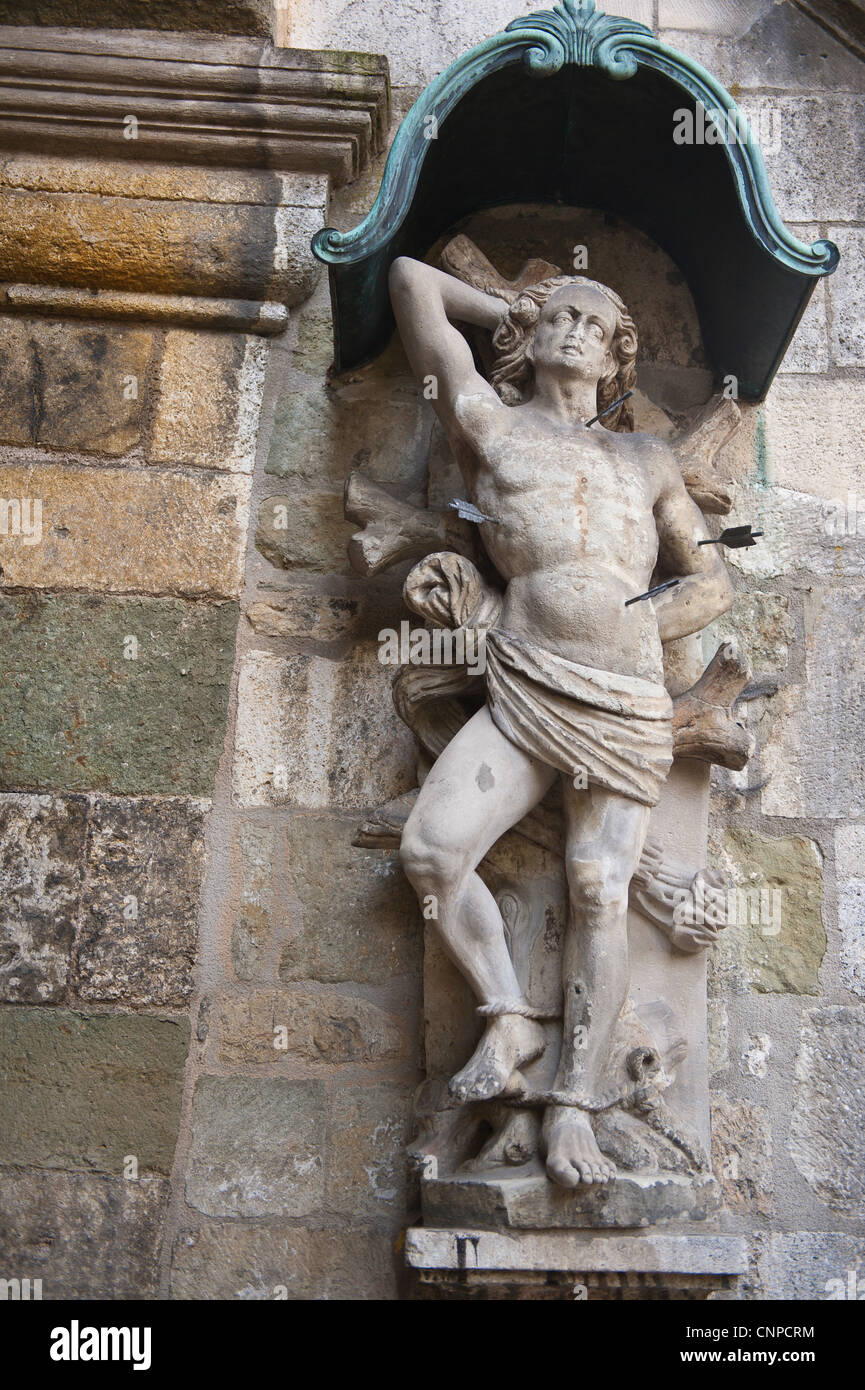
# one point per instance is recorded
(501, 1007)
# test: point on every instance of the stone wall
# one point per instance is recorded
(115, 669)
(201, 971)
(141, 291)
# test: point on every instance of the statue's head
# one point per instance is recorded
(567, 326)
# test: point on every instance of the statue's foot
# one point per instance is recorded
(509, 1042)
(573, 1155)
(514, 1143)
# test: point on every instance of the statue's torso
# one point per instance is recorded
(575, 536)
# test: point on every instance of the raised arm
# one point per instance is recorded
(705, 591)
(425, 302)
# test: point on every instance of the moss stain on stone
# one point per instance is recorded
(82, 707)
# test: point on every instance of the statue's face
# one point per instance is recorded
(574, 334)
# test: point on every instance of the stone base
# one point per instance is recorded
(532, 1202)
(562, 1265)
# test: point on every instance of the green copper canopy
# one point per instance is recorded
(572, 106)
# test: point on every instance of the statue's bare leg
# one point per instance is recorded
(479, 788)
(605, 836)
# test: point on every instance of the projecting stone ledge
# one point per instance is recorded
(464, 1248)
(190, 99)
(466, 1263)
(171, 179)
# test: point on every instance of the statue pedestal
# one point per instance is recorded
(466, 1262)
(525, 1199)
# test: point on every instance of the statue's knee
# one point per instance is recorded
(585, 882)
(598, 889)
(428, 865)
(412, 855)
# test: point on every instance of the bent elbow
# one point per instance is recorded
(402, 274)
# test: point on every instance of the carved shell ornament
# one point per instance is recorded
(574, 32)
(484, 109)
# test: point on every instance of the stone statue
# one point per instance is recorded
(578, 515)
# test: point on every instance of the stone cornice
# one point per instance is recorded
(175, 180)
(198, 100)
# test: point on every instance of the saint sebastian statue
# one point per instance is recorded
(579, 517)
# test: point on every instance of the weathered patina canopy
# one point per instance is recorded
(572, 106)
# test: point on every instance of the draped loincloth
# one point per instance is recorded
(571, 717)
(618, 728)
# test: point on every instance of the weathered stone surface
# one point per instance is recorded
(742, 458)
(742, 1154)
(359, 917)
(801, 534)
(251, 933)
(725, 975)
(534, 1203)
(719, 1036)
(712, 16)
(217, 16)
(42, 848)
(307, 531)
(100, 898)
(648, 1253)
(292, 718)
(321, 436)
(172, 310)
(202, 1022)
(419, 42)
(209, 400)
(256, 1262)
(827, 1133)
(71, 386)
(83, 1235)
(138, 927)
(813, 756)
(850, 875)
(813, 1266)
(778, 910)
(757, 1051)
(306, 1026)
(370, 1127)
(313, 350)
(812, 439)
(128, 531)
(149, 228)
(304, 613)
(847, 293)
(767, 45)
(84, 1091)
(159, 182)
(257, 1147)
(761, 626)
(75, 713)
(813, 135)
(809, 350)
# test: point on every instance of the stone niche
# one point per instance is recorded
(492, 1220)
(500, 1204)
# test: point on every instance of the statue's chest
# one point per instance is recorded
(557, 473)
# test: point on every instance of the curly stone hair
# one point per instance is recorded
(513, 374)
